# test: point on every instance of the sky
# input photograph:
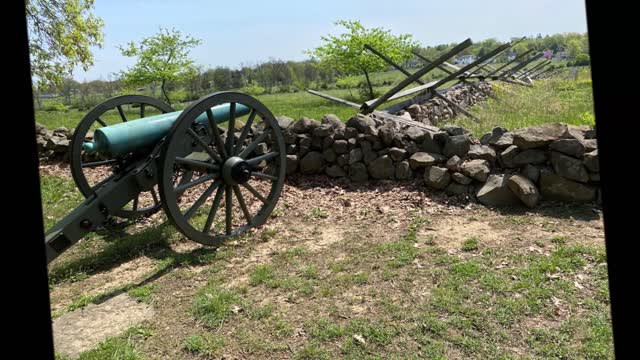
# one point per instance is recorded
(249, 32)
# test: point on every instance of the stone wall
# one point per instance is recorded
(553, 161)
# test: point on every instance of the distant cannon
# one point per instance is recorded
(175, 160)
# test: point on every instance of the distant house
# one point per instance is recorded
(48, 96)
(465, 59)
(511, 56)
(560, 55)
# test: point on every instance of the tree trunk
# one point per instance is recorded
(164, 92)
(366, 75)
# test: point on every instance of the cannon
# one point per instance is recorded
(226, 144)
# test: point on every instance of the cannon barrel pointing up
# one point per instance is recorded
(119, 139)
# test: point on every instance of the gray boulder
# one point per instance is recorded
(524, 189)
(555, 187)
(304, 126)
(531, 156)
(507, 157)
(496, 192)
(421, 159)
(284, 121)
(358, 172)
(335, 171)
(461, 178)
(437, 177)
(382, 168)
(457, 145)
(571, 147)
(540, 136)
(292, 164)
(403, 170)
(482, 152)
(530, 172)
(591, 161)
(312, 163)
(476, 169)
(568, 167)
(361, 122)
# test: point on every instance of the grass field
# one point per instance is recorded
(421, 279)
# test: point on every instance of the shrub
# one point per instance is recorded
(253, 89)
(56, 106)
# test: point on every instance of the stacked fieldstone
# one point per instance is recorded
(436, 110)
(552, 161)
(53, 145)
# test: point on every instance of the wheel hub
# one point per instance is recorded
(236, 171)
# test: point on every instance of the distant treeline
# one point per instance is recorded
(277, 75)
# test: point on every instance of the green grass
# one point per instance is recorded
(213, 305)
(470, 244)
(124, 347)
(205, 344)
(552, 100)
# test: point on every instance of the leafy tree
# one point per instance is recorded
(574, 48)
(162, 58)
(346, 52)
(61, 33)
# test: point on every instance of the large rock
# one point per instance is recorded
(492, 137)
(453, 130)
(568, 167)
(284, 121)
(482, 152)
(355, 155)
(421, 159)
(292, 164)
(340, 146)
(329, 155)
(434, 141)
(361, 122)
(335, 171)
(457, 145)
(503, 141)
(397, 154)
(323, 130)
(524, 189)
(437, 177)
(382, 168)
(403, 170)
(496, 192)
(454, 163)
(540, 136)
(461, 178)
(591, 161)
(555, 187)
(304, 126)
(343, 159)
(415, 134)
(358, 172)
(332, 120)
(312, 163)
(590, 145)
(476, 169)
(531, 172)
(531, 156)
(571, 147)
(507, 157)
(386, 133)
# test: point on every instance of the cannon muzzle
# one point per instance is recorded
(120, 139)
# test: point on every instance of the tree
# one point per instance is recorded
(162, 58)
(61, 33)
(346, 52)
(574, 48)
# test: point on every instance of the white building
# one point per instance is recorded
(465, 59)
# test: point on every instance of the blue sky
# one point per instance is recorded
(235, 32)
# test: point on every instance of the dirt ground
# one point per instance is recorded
(321, 257)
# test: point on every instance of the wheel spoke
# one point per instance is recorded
(263, 176)
(154, 195)
(101, 122)
(216, 133)
(205, 195)
(228, 209)
(141, 111)
(253, 145)
(124, 118)
(254, 192)
(135, 202)
(245, 131)
(214, 209)
(257, 160)
(184, 161)
(181, 188)
(231, 127)
(99, 163)
(204, 145)
(243, 206)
